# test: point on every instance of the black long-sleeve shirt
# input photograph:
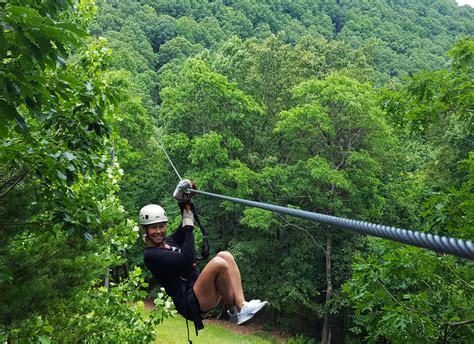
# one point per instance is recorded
(168, 265)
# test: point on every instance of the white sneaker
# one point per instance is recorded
(248, 310)
(233, 314)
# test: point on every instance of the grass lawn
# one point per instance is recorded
(173, 331)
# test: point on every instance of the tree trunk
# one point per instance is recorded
(107, 279)
(326, 336)
(127, 266)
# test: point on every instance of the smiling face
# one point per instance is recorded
(156, 233)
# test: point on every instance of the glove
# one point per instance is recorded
(188, 218)
(181, 188)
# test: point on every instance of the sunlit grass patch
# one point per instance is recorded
(173, 330)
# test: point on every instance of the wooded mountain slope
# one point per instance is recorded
(359, 109)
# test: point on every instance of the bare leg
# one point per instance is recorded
(220, 278)
(236, 280)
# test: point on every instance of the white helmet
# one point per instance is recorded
(152, 213)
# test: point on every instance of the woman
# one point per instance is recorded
(171, 261)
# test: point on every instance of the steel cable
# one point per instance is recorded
(160, 143)
(442, 244)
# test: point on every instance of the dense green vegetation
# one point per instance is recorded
(63, 226)
(360, 109)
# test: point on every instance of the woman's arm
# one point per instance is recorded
(178, 235)
(162, 258)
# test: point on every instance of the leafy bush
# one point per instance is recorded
(405, 294)
(100, 315)
(300, 340)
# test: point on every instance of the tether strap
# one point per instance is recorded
(205, 241)
(198, 325)
(187, 328)
(186, 308)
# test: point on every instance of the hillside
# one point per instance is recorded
(398, 37)
(355, 109)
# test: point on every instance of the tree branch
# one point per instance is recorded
(345, 152)
(459, 323)
(459, 277)
(401, 304)
(456, 325)
(25, 223)
(303, 230)
(17, 181)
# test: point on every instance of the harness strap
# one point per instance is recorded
(196, 318)
(186, 286)
(205, 241)
(187, 328)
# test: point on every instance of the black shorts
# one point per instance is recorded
(187, 304)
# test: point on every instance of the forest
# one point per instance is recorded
(357, 109)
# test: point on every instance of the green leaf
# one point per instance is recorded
(69, 156)
(61, 175)
(48, 328)
(22, 11)
(44, 340)
(73, 28)
(55, 34)
(7, 110)
(41, 41)
(21, 122)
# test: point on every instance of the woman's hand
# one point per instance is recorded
(181, 188)
(188, 218)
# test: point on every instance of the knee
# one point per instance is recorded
(227, 256)
(220, 263)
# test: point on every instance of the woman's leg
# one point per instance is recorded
(236, 280)
(220, 278)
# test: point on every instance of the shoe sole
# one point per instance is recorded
(251, 315)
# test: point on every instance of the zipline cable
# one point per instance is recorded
(205, 247)
(442, 244)
(167, 156)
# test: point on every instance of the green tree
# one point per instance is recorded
(404, 293)
(178, 48)
(266, 69)
(407, 294)
(62, 225)
(337, 140)
(211, 130)
(198, 101)
(331, 158)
